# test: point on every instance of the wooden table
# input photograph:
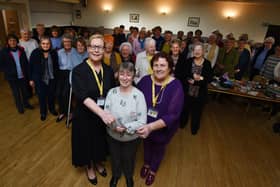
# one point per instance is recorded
(235, 91)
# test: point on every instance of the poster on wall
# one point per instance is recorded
(193, 21)
(134, 18)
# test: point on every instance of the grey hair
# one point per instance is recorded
(149, 41)
(198, 44)
(67, 36)
(269, 39)
(129, 66)
(23, 30)
(126, 44)
(212, 34)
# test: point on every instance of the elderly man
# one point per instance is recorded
(211, 49)
(261, 56)
(29, 44)
(227, 59)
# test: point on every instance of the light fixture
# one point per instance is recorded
(107, 8)
(164, 10)
(230, 14)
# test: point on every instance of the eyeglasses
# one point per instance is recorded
(96, 47)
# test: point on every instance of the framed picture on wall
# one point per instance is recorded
(134, 18)
(193, 21)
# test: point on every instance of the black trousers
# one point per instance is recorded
(192, 107)
(20, 93)
(122, 156)
(46, 94)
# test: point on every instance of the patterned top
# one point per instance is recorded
(130, 111)
(268, 69)
(194, 89)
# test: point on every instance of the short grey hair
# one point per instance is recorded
(23, 30)
(270, 39)
(149, 41)
(126, 44)
(129, 66)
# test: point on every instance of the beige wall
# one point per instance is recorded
(249, 16)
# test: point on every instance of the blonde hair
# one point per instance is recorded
(96, 36)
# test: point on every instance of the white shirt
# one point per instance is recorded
(29, 46)
(141, 65)
(207, 48)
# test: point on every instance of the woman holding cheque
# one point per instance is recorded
(127, 104)
(165, 97)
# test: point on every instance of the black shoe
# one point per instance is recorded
(53, 112)
(114, 182)
(129, 182)
(93, 181)
(194, 132)
(21, 111)
(103, 173)
(43, 117)
(59, 118)
(28, 106)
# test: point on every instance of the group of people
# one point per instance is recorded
(120, 115)
(126, 88)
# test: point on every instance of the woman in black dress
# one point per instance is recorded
(195, 74)
(91, 80)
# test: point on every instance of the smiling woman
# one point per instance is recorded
(127, 104)
(91, 80)
(164, 96)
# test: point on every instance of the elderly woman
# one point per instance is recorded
(65, 61)
(91, 81)
(175, 51)
(143, 59)
(29, 44)
(43, 74)
(126, 52)
(127, 104)
(164, 97)
(195, 75)
(55, 38)
(14, 63)
(139, 43)
(80, 53)
(111, 58)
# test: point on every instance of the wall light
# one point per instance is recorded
(107, 8)
(229, 14)
(164, 10)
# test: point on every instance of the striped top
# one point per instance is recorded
(268, 69)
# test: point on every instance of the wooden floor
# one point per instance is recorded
(232, 149)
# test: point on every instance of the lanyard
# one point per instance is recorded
(99, 84)
(154, 96)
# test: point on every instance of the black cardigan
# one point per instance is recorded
(8, 64)
(36, 66)
(184, 73)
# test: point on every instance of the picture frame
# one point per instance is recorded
(193, 21)
(134, 18)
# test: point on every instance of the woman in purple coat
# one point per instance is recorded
(164, 97)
